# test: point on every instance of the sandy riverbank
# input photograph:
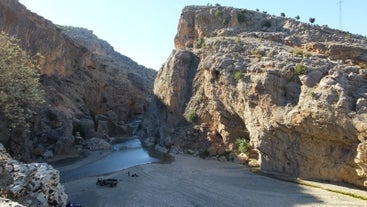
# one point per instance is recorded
(192, 181)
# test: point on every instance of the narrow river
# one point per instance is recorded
(124, 155)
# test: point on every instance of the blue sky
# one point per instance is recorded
(144, 30)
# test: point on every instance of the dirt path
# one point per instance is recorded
(190, 181)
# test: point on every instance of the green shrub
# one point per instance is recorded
(312, 20)
(300, 69)
(301, 52)
(20, 90)
(297, 17)
(282, 14)
(200, 42)
(217, 13)
(243, 146)
(237, 75)
(192, 116)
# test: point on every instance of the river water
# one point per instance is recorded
(124, 155)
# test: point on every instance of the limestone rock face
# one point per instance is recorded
(33, 184)
(295, 91)
(9, 203)
(180, 78)
(83, 78)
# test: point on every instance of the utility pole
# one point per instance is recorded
(340, 14)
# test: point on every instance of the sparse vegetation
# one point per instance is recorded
(353, 195)
(20, 90)
(312, 94)
(300, 69)
(226, 21)
(241, 16)
(311, 20)
(192, 116)
(347, 37)
(297, 17)
(267, 24)
(301, 52)
(243, 146)
(200, 42)
(237, 75)
(362, 65)
(257, 53)
(217, 13)
(282, 14)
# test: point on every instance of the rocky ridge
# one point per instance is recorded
(295, 91)
(91, 90)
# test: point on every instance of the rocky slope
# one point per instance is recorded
(297, 92)
(34, 184)
(91, 90)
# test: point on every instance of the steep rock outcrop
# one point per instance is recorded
(85, 81)
(33, 184)
(295, 91)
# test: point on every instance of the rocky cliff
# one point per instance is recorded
(296, 92)
(91, 90)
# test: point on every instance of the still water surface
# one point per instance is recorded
(124, 155)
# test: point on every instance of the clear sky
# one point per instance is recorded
(144, 30)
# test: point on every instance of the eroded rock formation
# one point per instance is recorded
(296, 91)
(90, 89)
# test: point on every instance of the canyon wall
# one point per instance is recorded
(91, 90)
(296, 92)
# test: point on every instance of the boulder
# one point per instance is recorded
(32, 184)
(98, 144)
(9, 203)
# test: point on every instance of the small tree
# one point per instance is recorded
(297, 17)
(20, 90)
(192, 116)
(243, 145)
(300, 69)
(237, 75)
(312, 20)
(282, 14)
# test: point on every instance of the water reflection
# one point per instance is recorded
(126, 154)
